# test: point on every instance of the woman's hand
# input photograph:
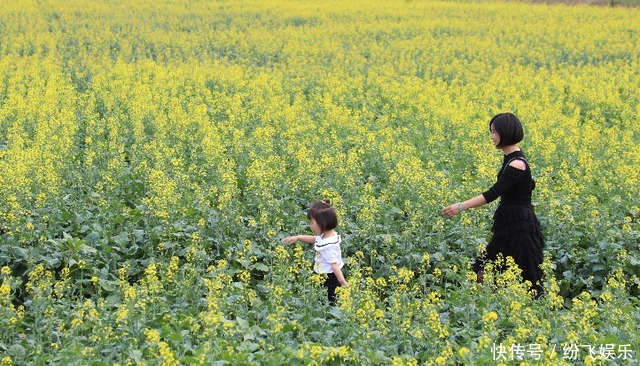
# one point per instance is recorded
(455, 208)
(451, 210)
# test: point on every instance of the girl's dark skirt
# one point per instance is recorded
(331, 283)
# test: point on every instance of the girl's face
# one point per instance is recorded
(494, 136)
(314, 226)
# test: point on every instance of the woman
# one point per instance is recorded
(516, 229)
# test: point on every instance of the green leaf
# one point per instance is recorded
(190, 360)
(108, 285)
(598, 267)
(176, 337)
(17, 351)
(242, 323)
(336, 312)
(232, 299)
(88, 249)
(136, 355)
(53, 262)
(114, 300)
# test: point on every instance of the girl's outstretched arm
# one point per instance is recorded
(309, 239)
(458, 207)
(338, 272)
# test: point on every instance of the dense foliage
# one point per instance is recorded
(154, 154)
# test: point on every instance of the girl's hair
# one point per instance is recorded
(324, 215)
(508, 126)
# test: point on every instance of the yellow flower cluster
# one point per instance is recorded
(160, 348)
(316, 354)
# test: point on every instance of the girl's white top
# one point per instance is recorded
(327, 252)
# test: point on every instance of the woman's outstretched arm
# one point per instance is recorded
(456, 208)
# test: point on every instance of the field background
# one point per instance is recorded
(153, 155)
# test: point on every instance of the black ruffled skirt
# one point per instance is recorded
(517, 233)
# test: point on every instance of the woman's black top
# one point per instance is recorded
(513, 185)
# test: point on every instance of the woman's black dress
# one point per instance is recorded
(516, 229)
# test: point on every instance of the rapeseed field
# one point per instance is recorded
(153, 154)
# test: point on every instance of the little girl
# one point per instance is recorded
(323, 220)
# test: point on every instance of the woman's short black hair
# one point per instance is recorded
(324, 215)
(508, 127)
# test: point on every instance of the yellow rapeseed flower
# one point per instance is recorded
(463, 352)
(490, 317)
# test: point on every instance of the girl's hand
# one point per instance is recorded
(290, 239)
(451, 210)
